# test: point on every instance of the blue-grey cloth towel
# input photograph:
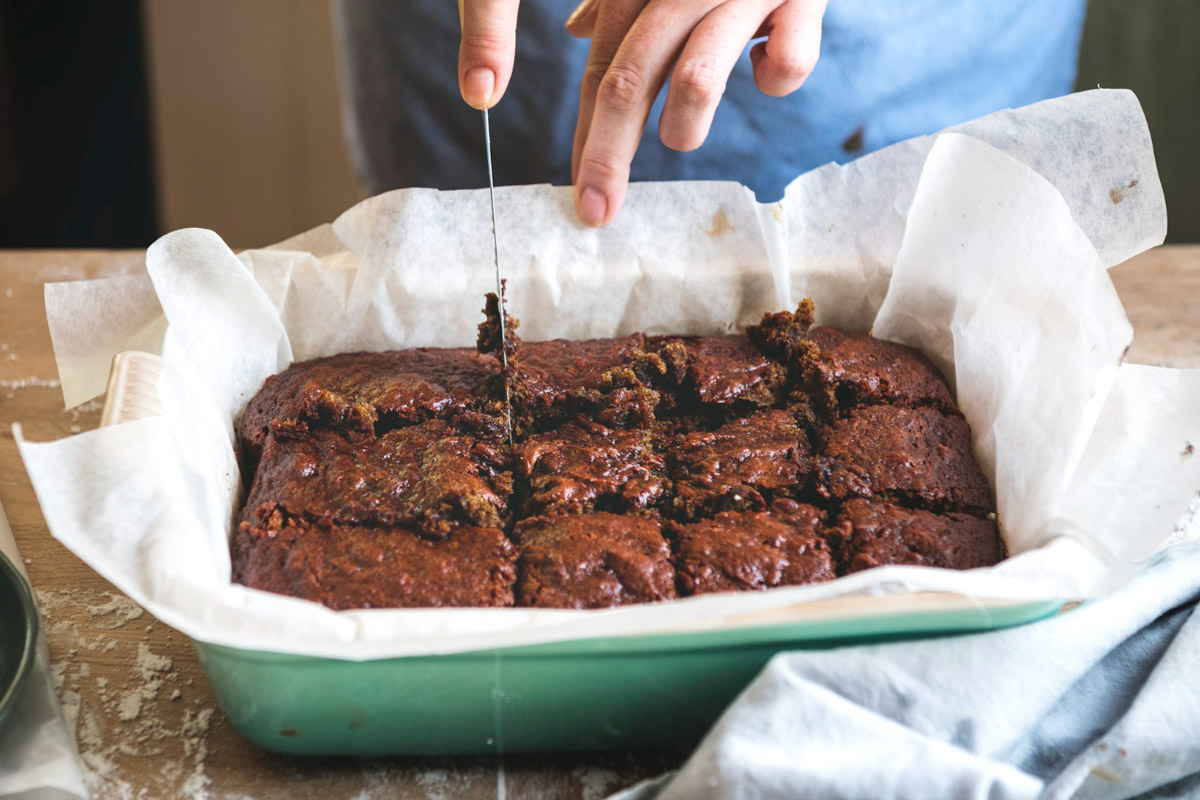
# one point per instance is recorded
(1100, 702)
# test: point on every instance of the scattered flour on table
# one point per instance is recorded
(380, 779)
(121, 720)
(31, 382)
(90, 407)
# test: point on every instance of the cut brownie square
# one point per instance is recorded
(871, 534)
(353, 566)
(423, 475)
(917, 456)
(592, 561)
(585, 466)
(359, 391)
(606, 380)
(855, 369)
(744, 550)
(729, 374)
(742, 465)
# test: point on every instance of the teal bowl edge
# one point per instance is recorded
(646, 691)
(18, 589)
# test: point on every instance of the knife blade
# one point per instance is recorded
(487, 141)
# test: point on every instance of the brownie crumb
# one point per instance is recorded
(783, 335)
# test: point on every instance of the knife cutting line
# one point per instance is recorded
(487, 141)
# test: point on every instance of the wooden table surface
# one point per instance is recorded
(144, 716)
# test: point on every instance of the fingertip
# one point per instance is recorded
(592, 207)
(582, 22)
(479, 87)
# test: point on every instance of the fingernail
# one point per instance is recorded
(592, 207)
(478, 85)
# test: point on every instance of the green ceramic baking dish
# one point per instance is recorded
(643, 691)
(636, 691)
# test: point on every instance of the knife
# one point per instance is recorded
(487, 141)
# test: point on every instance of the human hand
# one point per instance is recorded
(486, 50)
(637, 45)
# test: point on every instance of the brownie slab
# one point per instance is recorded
(423, 475)
(871, 534)
(606, 380)
(352, 566)
(357, 391)
(743, 465)
(592, 561)
(752, 550)
(854, 369)
(916, 456)
(585, 466)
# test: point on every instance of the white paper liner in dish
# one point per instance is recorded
(955, 243)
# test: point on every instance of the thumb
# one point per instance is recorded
(485, 55)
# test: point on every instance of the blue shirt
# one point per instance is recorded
(889, 70)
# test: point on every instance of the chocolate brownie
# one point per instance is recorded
(853, 369)
(585, 466)
(606, 380)
(730, 371)
(871, 534)
(916, 456)
(743, 550)
(592, 561)
(358, 391)
(354, 566)
(423, 475)
(742, 465)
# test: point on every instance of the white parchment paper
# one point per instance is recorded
(986, 246)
